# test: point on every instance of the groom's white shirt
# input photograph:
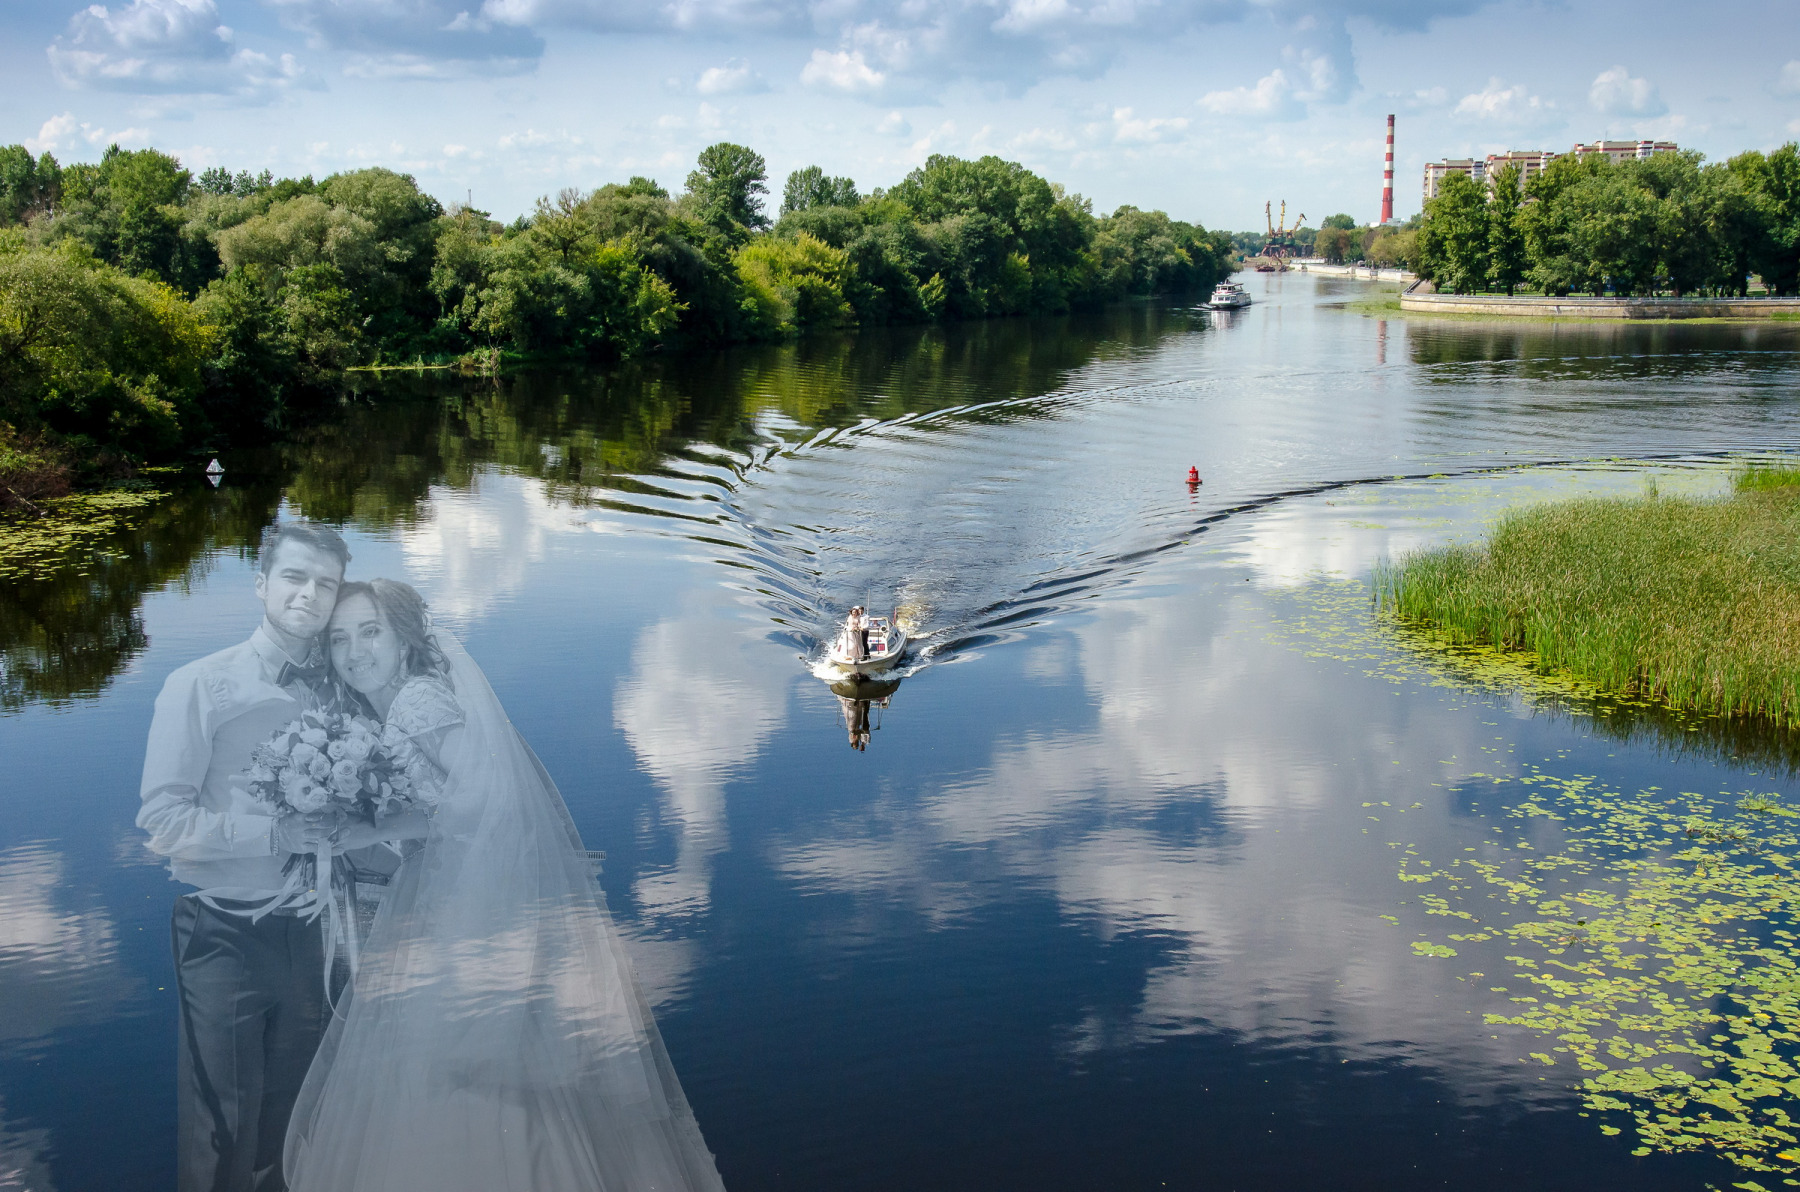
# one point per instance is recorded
(196, 807)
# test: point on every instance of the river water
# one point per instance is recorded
(1112, 899)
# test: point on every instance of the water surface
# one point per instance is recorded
(1111, 899)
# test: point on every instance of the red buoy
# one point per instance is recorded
(1194, 477)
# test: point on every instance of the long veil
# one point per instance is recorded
(496, 1039)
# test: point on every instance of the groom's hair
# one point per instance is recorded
(321, 538)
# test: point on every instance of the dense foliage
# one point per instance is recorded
(145, 310)
(1662, 224)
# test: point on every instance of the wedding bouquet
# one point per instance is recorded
(330, 761)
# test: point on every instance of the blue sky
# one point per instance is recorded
(1204, 108)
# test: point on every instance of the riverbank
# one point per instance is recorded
(1354, 272)
(1694, 602)
(1601, 308)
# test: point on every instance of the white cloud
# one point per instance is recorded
(419, 39)
(841, 71)
(1130, 129)
(64, 132)
(894, 125)
(1271, 99)
(1616, 93)
(167, 47)
(1512, 108)
(734, 78)
(1788, 82)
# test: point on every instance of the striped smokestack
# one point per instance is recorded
(1387, 178)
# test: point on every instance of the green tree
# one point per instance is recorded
(518, 294)
(28, 185)
(1031, 217)
(794, 284)
(811, 188)
(1394, 247)
(1772, 182)
(725, 189)
(1453, 240)
(89, 352)
(1505, 235)
(563, 224)
(1614, 225)
(1332, 244)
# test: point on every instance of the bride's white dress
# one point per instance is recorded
(496, 1039)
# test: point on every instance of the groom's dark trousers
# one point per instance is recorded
(252, 1015)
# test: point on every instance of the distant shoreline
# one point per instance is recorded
(1602, 308)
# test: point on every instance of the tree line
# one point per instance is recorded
(1669, 223)
(146, 311)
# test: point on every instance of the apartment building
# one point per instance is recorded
(1625, 150)
(1532, 162)
(1437, 171)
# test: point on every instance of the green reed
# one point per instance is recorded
(1694, 602)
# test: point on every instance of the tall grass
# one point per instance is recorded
(1696, 602)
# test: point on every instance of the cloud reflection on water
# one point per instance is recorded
(1215, 806)
(58, 967)
(472, 547)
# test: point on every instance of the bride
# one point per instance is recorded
(495, 1039)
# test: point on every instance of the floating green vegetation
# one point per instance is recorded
(35, 547)
(1660, 930)
(1660, 939)
(1695, 603)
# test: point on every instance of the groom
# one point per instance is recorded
(252, 1008)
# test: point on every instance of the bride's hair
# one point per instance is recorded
(405, 611)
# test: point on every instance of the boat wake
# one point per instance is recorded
(971, 524)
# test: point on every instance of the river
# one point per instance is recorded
(1116, 896)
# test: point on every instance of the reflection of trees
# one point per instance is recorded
(64, 635)
(587, 435)
(583, 433)
(1611, 348)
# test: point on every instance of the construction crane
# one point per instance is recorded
(1281, 244)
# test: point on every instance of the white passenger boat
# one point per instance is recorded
(887, 641)
(1228, 295)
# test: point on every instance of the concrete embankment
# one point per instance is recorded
(1358, 272)
(1603, 308)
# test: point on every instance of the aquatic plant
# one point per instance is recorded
(1660, 947)
(1656, 930)
(1693, 602)
(1767, 477)
(34, 548)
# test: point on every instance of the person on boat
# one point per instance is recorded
(858, 627)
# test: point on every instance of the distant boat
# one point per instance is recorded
(1229, 296)
(214, 471)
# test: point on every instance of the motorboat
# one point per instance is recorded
(887, 641)
(1229, 295)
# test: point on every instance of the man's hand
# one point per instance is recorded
(297, 833)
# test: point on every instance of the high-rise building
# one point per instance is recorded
(1625, 150)
(1437, 171)
(1532, 162)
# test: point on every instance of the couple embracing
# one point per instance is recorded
(493, 1038)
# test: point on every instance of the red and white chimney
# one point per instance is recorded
(1387, 178)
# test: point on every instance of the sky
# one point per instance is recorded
(1206, 109)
